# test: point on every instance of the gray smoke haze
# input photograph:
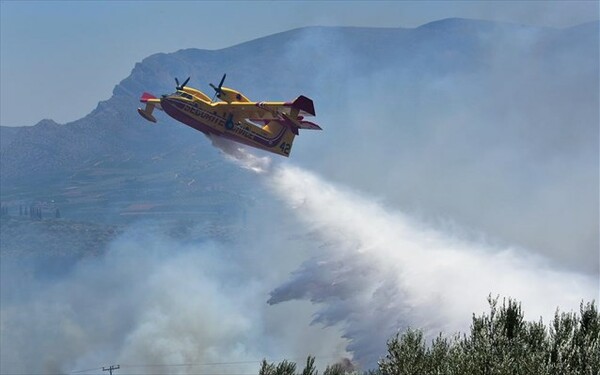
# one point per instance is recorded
(496, 132)
(153, 301)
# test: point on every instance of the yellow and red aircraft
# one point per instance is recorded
(269, 126)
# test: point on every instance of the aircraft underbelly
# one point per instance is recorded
(243, 140)
(182, 113)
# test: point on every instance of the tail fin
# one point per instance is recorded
(301, 106)
(304, 106)
(146, 96)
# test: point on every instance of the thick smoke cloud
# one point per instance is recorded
(151, 301)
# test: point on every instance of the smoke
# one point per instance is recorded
(501, 115)
(153, 304)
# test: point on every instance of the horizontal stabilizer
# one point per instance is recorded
(309, 125)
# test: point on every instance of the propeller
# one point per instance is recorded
(217, 89)
(180, 87)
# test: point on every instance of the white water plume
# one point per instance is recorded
(379, 271)
(241, 156)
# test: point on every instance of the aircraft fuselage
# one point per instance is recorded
(203, 117)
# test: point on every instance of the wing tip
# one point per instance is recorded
(146, 115)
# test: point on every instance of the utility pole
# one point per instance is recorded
(111, 368)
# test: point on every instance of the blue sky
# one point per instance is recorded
(69, 55)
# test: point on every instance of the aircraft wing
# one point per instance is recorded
(301, 106)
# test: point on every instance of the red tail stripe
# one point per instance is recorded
(146, 96)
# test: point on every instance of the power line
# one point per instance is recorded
(194, 364)
(220, 363)
(87, 370)
(198, 364)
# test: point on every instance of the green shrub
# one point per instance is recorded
(503, 343)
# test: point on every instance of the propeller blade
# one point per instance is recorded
(180, 87)
(222, 80)
(217, 89)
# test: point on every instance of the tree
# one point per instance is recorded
(502, 342)
(310, 368)
(283, 368)
(289, 368)
(336, 369)
(266, 368)
(406, 354)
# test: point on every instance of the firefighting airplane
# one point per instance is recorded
(269, 126)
